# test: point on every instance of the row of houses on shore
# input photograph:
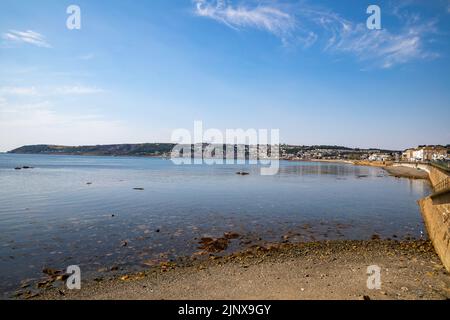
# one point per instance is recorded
(426, 153)
(419, 154)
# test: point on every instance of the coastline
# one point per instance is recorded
(324, 160)
(315, 270)
(398, 172)
(395, 171)
(405, 172)
(329, 261)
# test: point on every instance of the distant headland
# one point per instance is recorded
(142, 149)
(164, 149)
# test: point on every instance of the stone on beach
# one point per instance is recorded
(231, 235)
(214, 245)
(317, 270)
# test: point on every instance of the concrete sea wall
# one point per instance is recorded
(436, 211)
(436, 175)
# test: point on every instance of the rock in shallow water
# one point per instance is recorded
(214, 245)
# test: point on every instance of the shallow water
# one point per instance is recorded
(51, 217)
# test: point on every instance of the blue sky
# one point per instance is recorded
(137, 70)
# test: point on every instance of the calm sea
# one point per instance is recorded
(85, 210)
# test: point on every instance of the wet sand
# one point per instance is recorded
(317, 270)
(406, 172)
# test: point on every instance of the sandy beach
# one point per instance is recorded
(318, 270)
(406, 172)
(396, 171)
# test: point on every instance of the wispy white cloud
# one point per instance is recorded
(18, 91)
(49, 91)
(265, 17)
(29, 37)
(307, 25)
(386, 48)
(76, 90)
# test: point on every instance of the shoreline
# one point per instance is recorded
(323, 160)
(398, 171)
(326, 257)
(394, 171)
(311, 270)
(406, 172)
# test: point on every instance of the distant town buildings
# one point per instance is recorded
(421, 153)
(380, 157)
(290, 152)
(426, 153)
